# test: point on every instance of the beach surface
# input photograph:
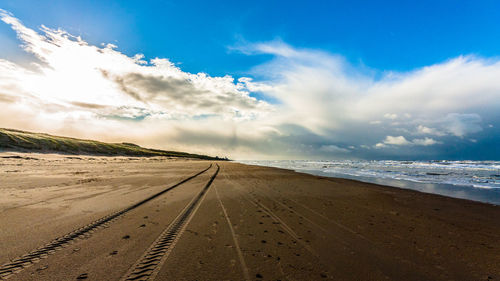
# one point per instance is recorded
(76, 217)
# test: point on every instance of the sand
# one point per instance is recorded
(250, 223)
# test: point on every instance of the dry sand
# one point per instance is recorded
(251, 223)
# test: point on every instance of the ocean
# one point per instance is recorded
(473, 180)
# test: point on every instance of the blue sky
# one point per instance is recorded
(395, 35)
(262, 79)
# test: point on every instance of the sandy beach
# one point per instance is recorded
(66, 217)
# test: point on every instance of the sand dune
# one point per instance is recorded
(16, 140)
(123, 218)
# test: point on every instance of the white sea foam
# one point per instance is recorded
(473, 174)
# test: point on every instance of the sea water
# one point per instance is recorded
(473, 180)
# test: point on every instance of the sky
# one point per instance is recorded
(258, 80)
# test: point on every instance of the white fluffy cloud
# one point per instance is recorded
(400, 140)
(428, 131)
(76, 75)
(330, 97)
(425, 141)
(325, 107)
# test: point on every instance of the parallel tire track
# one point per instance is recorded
(256, 202)
(148, 266)
(29, 259)
(244, 267)
(383, 261)
(331, 221)
(281, 223)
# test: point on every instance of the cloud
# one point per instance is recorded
(392, 116)
(428, 131)
(333, 148)
(400, 140)
(396, 140)
(88, 105)
(454, 124)
(199, 95)
(462, 124)
(72, 71)
(425, 141)
(332, 98)
(7, 98)
(322, 105)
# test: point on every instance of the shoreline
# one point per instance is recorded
(252, 222)
(456, 191)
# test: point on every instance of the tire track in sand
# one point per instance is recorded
(382, 260)
(244, 267)
(254, 201)
(150, 263)
(33, 257)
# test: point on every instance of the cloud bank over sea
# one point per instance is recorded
(302, 103)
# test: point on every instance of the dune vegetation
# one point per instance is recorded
(16, 140)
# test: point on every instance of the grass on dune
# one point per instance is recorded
(17, 140)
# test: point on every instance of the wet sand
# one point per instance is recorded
(249, 223)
